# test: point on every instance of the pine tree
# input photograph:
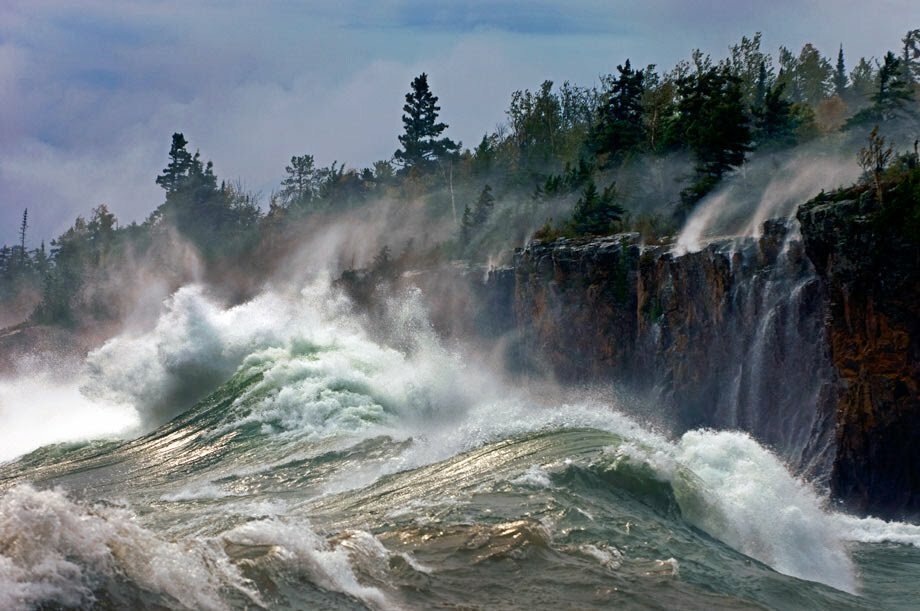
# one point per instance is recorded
(595, 213)
(774, 122)
(180, 164)
(620, 127)
(474, 218)
(299, 186)
(714, 125)
(22, 236)
(840, 75)
(894, 90)
(892, 97)
(421, 142)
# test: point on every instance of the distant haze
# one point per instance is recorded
(91, 91)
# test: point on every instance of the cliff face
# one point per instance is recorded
(808, 339)
(872, 274)
(728, 337)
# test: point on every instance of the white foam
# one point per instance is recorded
(53, 550)
(752, 503)
(536, 476)
(874, 530)
(301, 549)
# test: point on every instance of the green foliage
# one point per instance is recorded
(900, 211)
(595, 213)
(774, 122)
(557, 144)
(840, 75)
(892, 98)
(714, 125)
(421, 141)
(620, 128)
(475, 217)
(216, 219)
(752, 67)
(301, 184)
(863, 81)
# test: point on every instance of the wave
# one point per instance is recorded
(263, 387)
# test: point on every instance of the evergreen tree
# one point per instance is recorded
(774, 122)
(863, 80)
(910, 58)
(761, 88)
(813, 75)
(180, 164)
(892, 97)
(894, 90)
(840, 75)
(215, 218)
(620, 127)
(788, 69)
(474, 218)
(101, 230)
(299, 185)
(22, 235)
(422, 142)
(595, 213)
(714, 125)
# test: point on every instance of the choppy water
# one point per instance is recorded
(317, 468)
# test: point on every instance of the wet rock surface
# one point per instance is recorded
(872, 275)
(728, 337)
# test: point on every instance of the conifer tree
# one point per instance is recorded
(422, 142)
(840, 75)
(761, 88)
(892, 97)
(299, 185)
(180, 164)
(477, 216)
(714, 125)
(774, 122)
(620, 127)
(910, 58)
(22, 235)
(595, 213)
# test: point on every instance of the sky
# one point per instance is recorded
(91, 90)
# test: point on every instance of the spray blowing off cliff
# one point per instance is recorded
(730, 336)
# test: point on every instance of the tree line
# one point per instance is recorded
(561, 148)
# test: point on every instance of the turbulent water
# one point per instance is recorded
(277, 454)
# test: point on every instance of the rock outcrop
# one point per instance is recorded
(871, 269)
(728, 337)
(807, 337)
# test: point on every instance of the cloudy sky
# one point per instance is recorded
(91, 90)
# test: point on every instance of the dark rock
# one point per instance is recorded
(873, 284)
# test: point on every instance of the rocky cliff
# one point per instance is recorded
(806, 337)
(870, 265)
(731, 336)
